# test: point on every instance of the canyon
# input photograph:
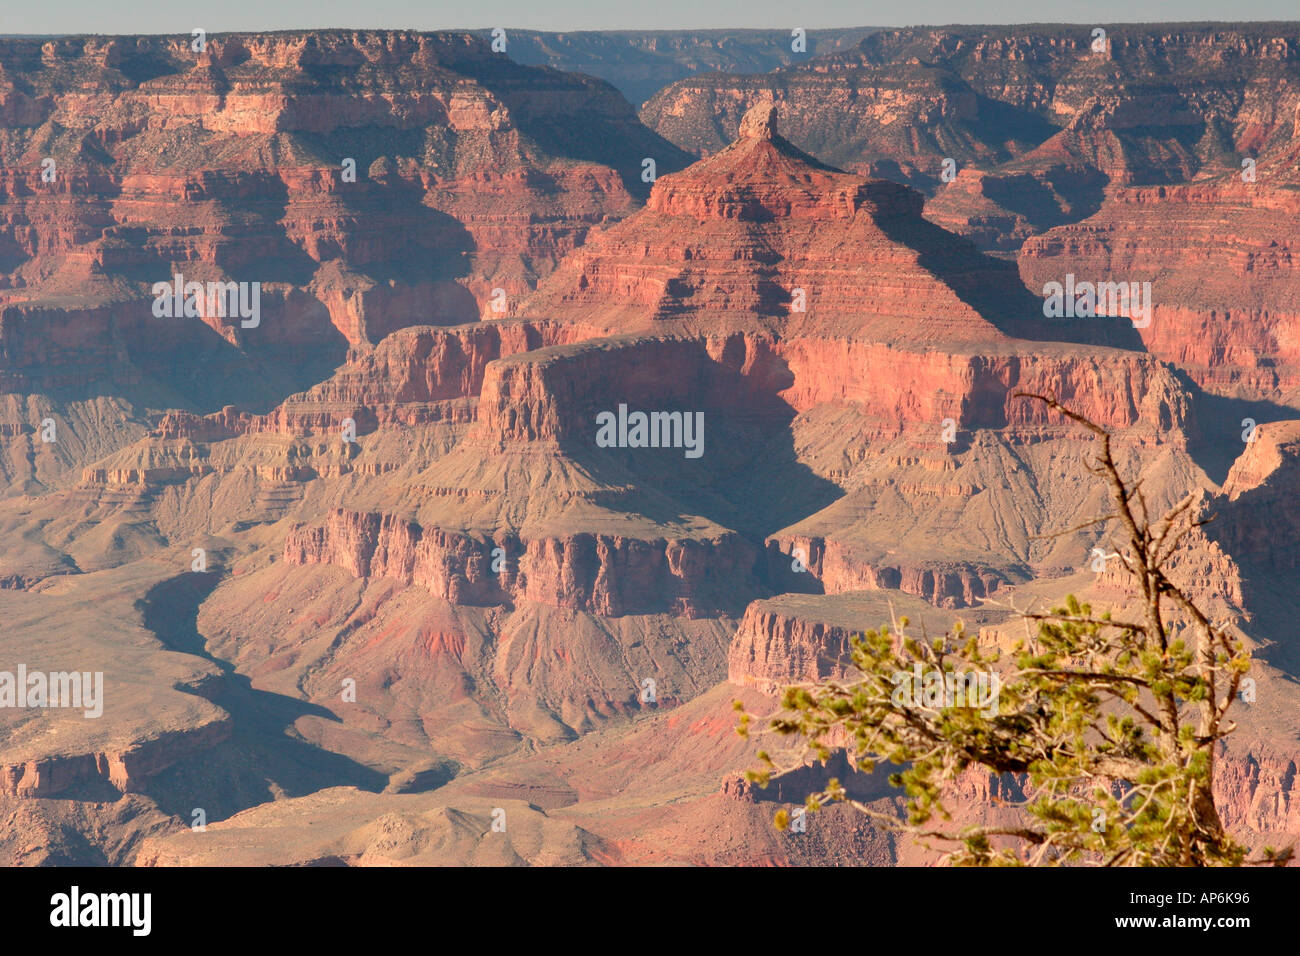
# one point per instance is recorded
(368, 571)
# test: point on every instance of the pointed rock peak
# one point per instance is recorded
(759, 122)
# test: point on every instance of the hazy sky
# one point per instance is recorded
(168, 16)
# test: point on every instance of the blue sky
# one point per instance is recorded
(167, 16)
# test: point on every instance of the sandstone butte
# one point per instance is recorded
(357, 650)
(1113, 163)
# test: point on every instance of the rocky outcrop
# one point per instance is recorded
(838, 569)
(1219, 257)
(999, 210)
(977, 389)
(553, 394)
(415, 376)
(454, 566)
(1257, 791)
(127, 769)
(773, 649)
(603, 574)
(759, 231)
(556, 393)
(612, 575)
(1257, 517)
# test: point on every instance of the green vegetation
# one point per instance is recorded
(1109, 726)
